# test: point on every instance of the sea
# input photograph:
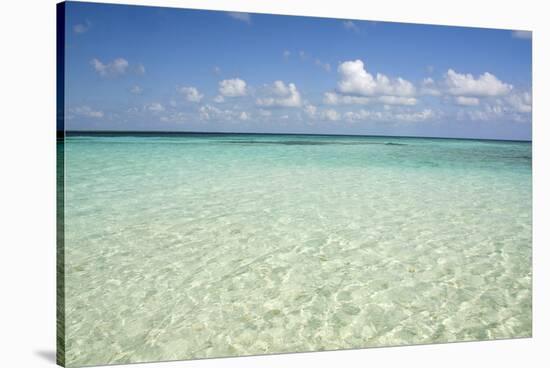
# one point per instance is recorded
(191, 245)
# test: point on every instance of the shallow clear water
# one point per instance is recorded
(192, 246)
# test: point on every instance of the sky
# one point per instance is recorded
(136, 68)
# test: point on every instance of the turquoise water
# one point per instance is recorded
(194, 246)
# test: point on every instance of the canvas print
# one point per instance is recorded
(234, 184)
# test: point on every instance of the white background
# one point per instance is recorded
(27, 181)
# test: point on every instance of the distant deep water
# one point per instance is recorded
(191, 246)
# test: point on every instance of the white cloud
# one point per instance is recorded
(155, 107)
(219, 99)
(244, 115)
(362, 115)
(520, 102)
(191, 94)
(413, 117)
(306, 57)
(114, 68)
(467, 85)
(286, 54)
(325, 66)
(174, 117)
(243, 17)
(349, 25)
(310, 110)
(429, 87)
(488, 112)
(466, 101)
(82, 27)
(388, 116)
(354, 79)
(136, 90)
(140, 69)
(515, 107)
(87, 111)
(332, 98)
(330, 114)
(232, 87)
(209, 112)
(526, 35)
(370, 115)
(282, 95)
(398, 100)
(474, 115)
(264, 113)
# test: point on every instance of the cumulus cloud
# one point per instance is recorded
(209, 112)
(219, 99)
(526, 35)
(361, 115)
(243, 17)
(310, 110)
(398, 100)
(467, 85)
(354, 79)
(429, 87)
(486, 113)
(155, 107)
(281, 95)
(466, 101)
(114, 68)
(330, 115)
(388, 116)
(232, 87)
(413, 117)
(520, 102)
(333, 98)
(244, 115)
(351, 26)
(174, 117)
(286, 54)
(191, 94)
(88, 112)
(515, 107)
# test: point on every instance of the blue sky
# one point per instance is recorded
(148, 68)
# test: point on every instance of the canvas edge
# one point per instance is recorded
(60, 184)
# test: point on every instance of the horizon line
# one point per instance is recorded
(143, 132)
